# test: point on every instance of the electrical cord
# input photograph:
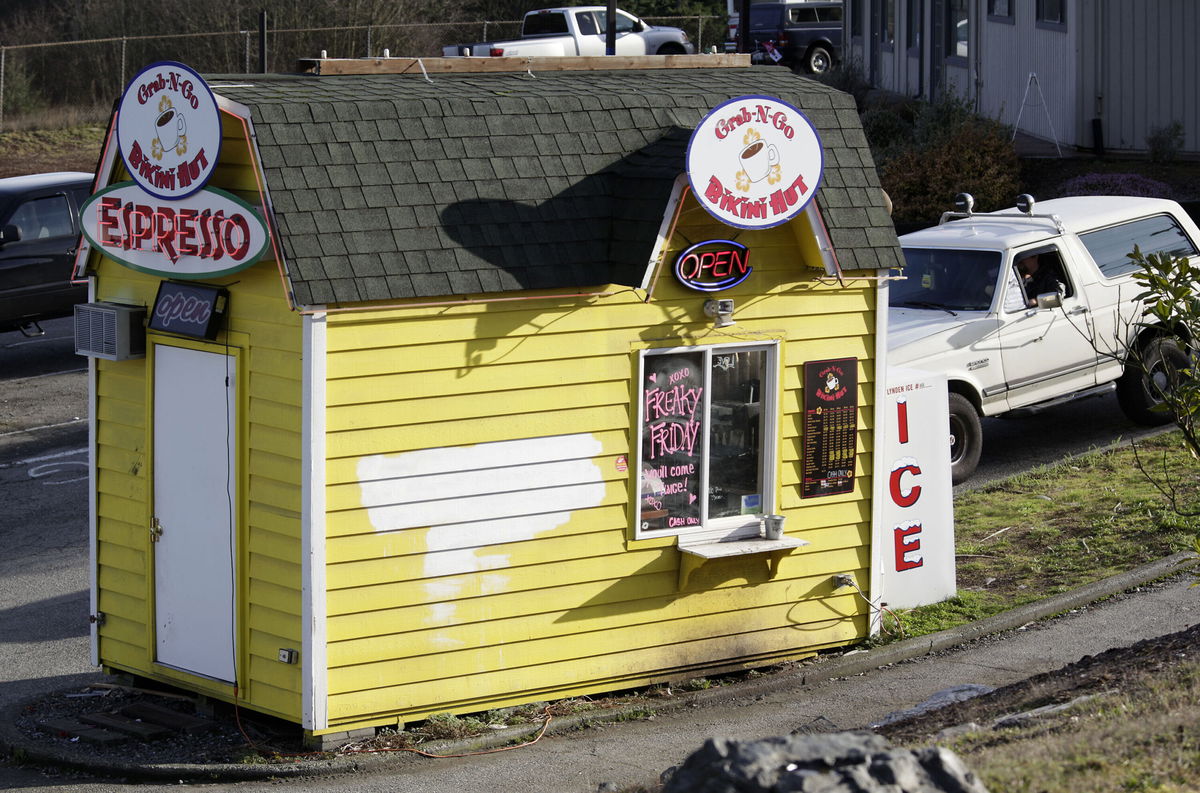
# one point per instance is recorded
(880, 608)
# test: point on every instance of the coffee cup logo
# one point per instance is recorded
(757, 160)
(170, 131)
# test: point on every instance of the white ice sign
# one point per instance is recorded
(915, 533)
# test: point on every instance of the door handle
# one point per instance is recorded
(1078, 310)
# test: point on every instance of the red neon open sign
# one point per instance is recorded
(713, 265)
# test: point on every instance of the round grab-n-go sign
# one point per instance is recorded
(169, 130)
(754, 162)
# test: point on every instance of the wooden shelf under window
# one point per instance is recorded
(695, 554)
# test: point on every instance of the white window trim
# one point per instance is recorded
(737, 526)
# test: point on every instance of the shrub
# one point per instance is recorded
(848, 76)
(888, 132)
(1165, 142)
(978, 158)
(942, 119)
(1130, 184)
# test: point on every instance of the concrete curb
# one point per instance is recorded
(16, 745)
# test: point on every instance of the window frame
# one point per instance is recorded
(887, 26)
(1008, 17)
(914, 26)
(1013, 278)
(735, 526)
(1039, 16)
(951, 33)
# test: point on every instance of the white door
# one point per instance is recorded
(195, 447)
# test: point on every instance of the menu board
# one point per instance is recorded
(830, 426)
(673, 437)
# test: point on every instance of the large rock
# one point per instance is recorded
(849, 762)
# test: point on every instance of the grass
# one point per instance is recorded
(50, 147)
(1056, 528)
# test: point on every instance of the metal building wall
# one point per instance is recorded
(1138, 68)
(1010, 53)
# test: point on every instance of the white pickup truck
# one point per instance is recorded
(1011, 340)
(580, 31)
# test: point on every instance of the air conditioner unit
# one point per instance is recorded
(112, 331)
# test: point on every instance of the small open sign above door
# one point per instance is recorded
(189, 309)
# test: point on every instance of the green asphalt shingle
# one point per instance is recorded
(467, 183)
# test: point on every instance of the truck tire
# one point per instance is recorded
(966, 438)
(818, 60)
(1148, 375)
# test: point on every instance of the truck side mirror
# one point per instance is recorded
(639, 26)
(1049, 300)
(10, 233)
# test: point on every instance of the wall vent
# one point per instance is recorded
(111, 331)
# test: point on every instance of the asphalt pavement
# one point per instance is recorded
(849, 691)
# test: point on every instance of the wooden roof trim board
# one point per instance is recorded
(543, 63)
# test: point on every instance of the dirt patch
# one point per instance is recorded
(1117, 670)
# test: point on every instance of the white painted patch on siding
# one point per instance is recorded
(471, 497)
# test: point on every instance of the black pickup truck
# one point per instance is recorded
(39, 229)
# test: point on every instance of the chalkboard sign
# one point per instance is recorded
(189, 309)
(673, 437)
(830, 426)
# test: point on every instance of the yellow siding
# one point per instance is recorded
(423, 619)
(267, 335)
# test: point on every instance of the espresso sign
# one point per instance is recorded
(169, 130)
(754, 162)
(189, 309)
(713, 266)
(207, 234)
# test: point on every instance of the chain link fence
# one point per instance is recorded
(92, 73)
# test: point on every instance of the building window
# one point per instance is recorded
(706, 445)
(1052, 13)
(856, 18)
(887, 25)
(958, 29)
(1000, 11)
(913, 18)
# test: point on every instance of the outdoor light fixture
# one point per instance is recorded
(721, 311)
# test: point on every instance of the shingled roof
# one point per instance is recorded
(394, 186)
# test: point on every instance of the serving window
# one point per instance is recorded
(706, 432)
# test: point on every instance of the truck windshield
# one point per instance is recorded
(952, 280)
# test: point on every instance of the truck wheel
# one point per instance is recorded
(818, 60)
(1149, 375)
(966, 438)
(671, 49)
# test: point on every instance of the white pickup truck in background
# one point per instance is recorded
(580, 30)
(963, 309)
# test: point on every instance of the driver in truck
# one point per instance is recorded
(1038, 278)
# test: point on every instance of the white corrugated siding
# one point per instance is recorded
(1011, 53)
(1148, 66)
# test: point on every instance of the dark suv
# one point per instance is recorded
(39, 229)
(806, 33)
